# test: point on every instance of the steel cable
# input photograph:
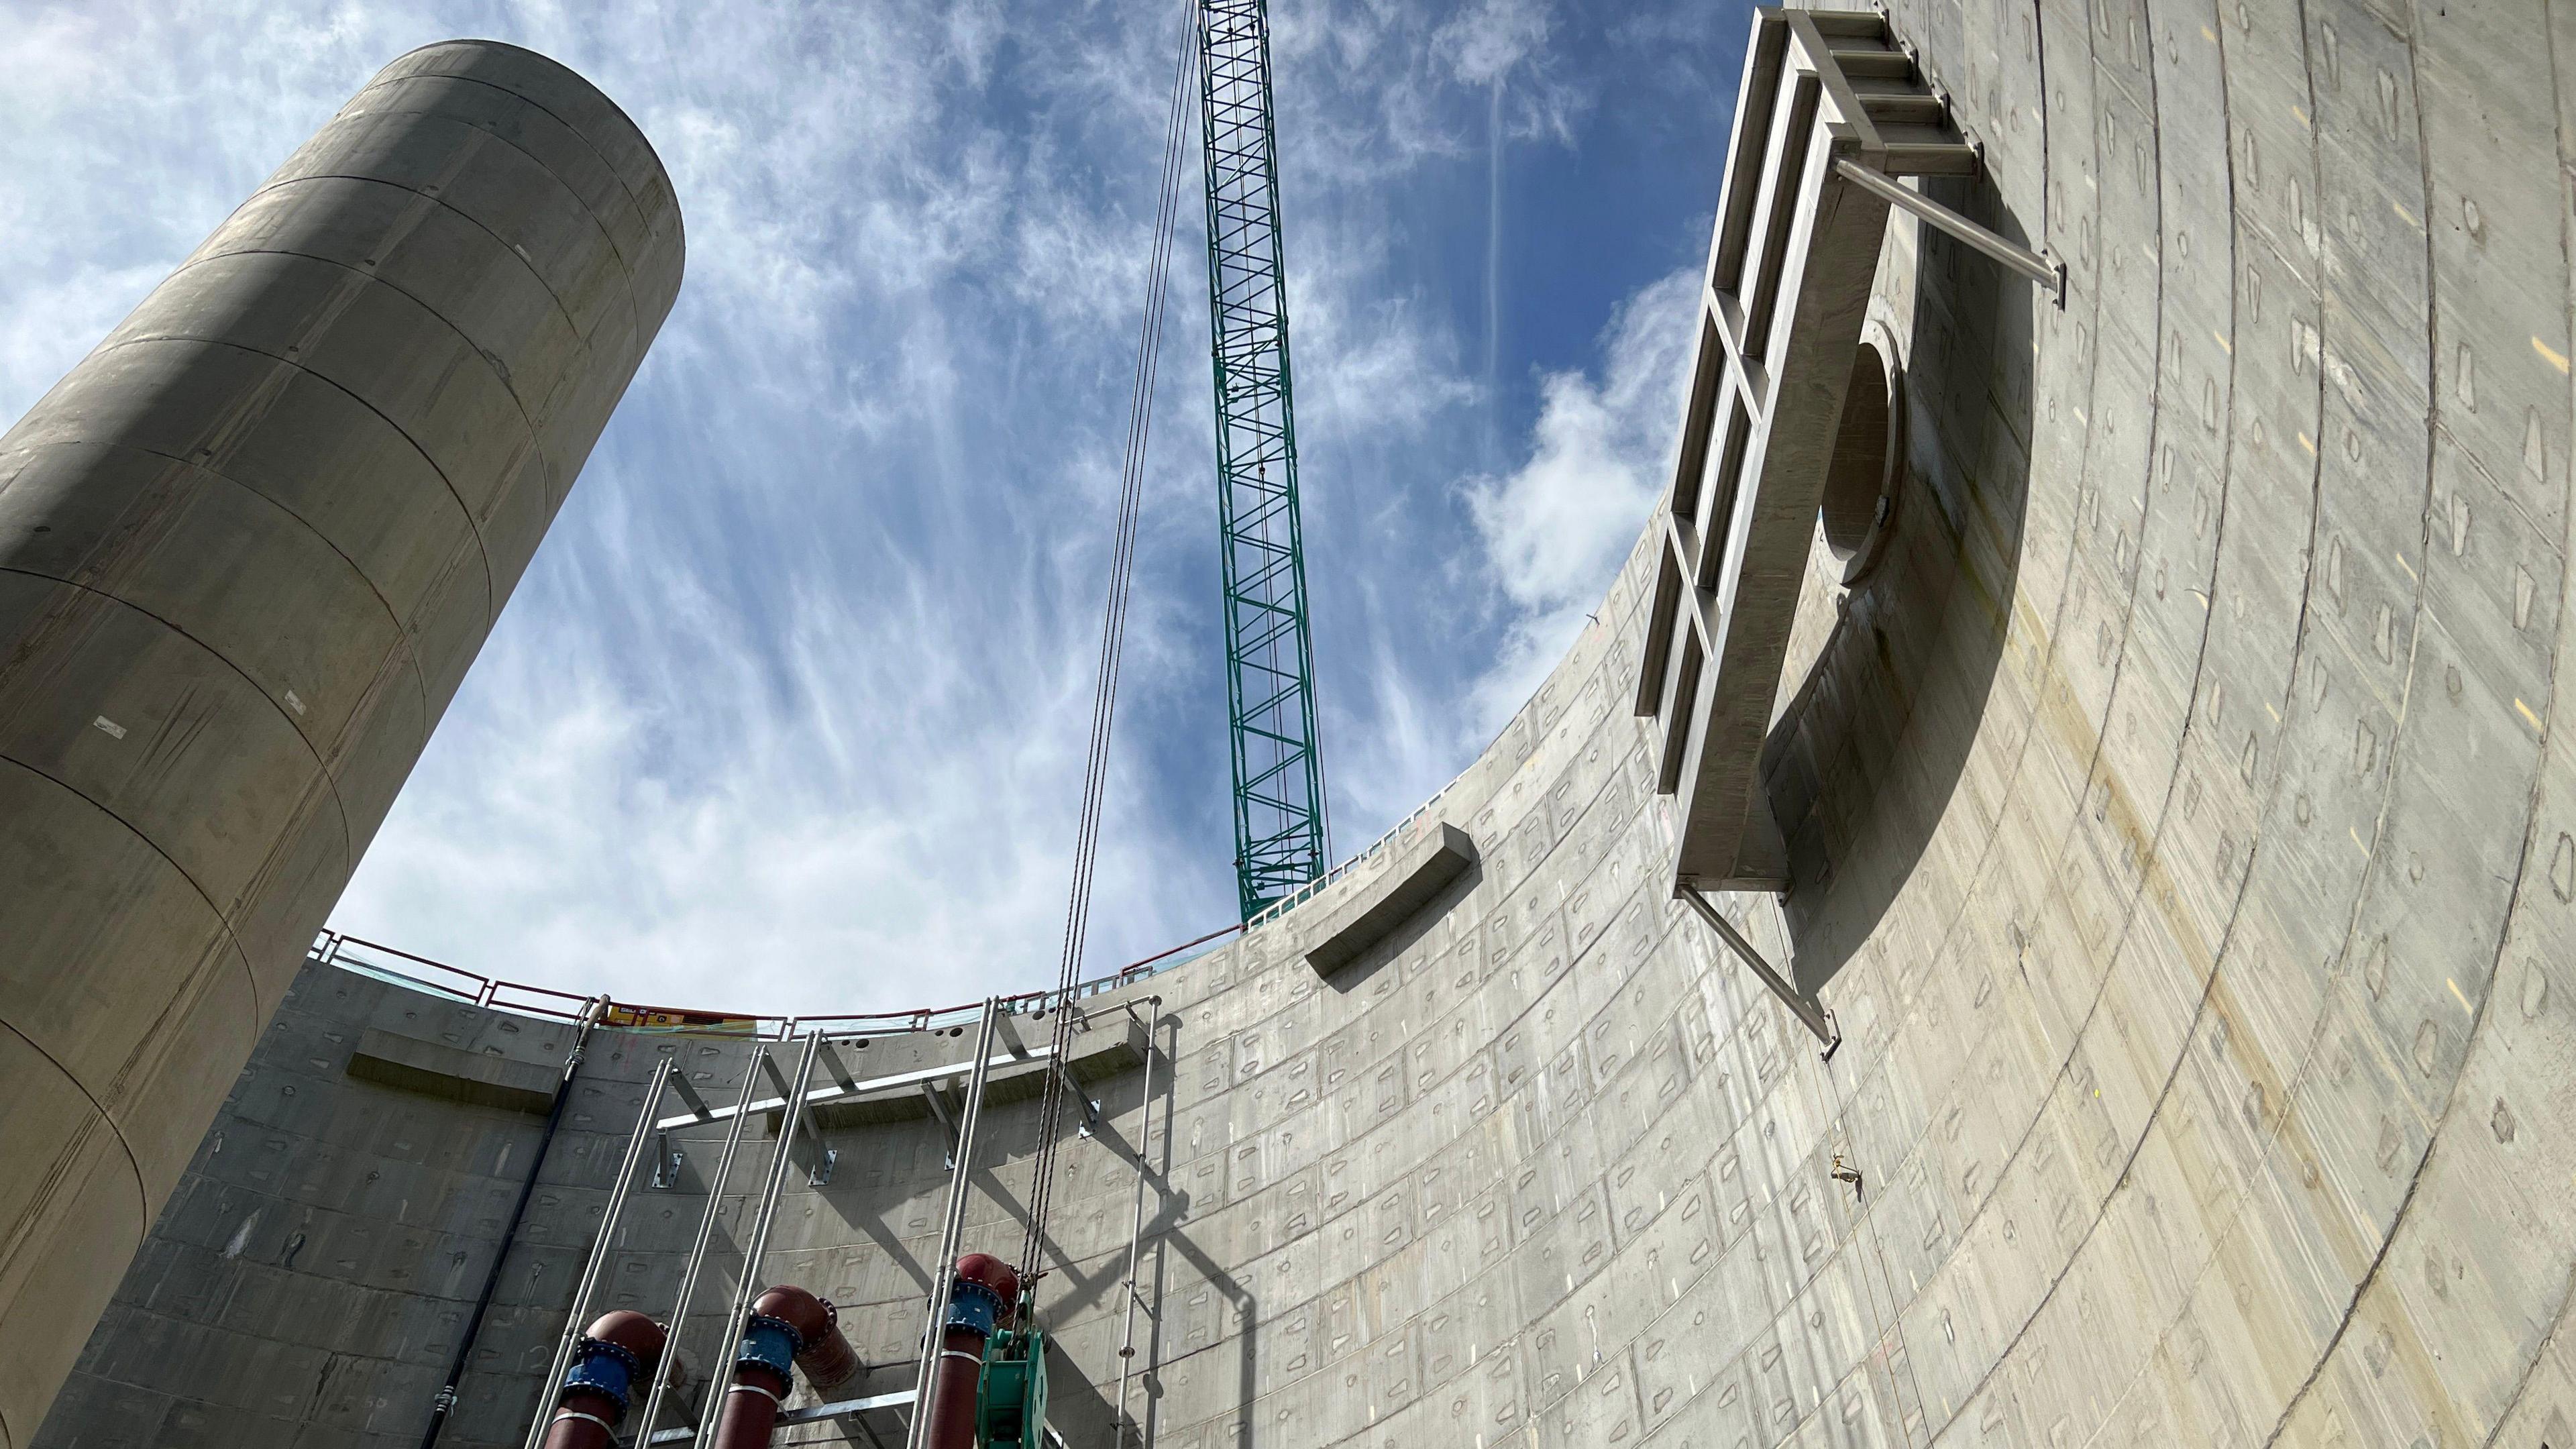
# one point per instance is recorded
(1113, 635)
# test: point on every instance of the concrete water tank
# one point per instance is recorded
(248, 548)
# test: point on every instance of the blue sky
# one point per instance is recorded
(789, 712)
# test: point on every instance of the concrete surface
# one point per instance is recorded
(2177, 827)
(247, 549)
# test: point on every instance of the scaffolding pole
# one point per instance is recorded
(1136, 1228)
(679, 1319)
(748, 1286)
(618, 1193)
(952, 1226)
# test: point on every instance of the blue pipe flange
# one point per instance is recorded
(603, 1368)
(770, 1343)
(973, 1307)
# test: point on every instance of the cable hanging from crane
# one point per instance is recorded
(1113, 634)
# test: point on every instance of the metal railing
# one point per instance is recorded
(1307, 891)
(388, 963)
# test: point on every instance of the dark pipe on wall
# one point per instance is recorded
(445, 1402)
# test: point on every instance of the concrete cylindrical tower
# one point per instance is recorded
(247, 549)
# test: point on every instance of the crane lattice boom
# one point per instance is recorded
(1279, 819)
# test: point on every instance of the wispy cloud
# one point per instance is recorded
(1556, 528)
(789, 712)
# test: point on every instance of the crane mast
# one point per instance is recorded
(1279, 814)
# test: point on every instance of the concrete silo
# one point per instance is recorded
(248, 548)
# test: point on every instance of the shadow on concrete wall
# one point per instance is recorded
(1083, 1397)
(1862, 765)
(1381, 955)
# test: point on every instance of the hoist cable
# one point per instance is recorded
(1113, 635)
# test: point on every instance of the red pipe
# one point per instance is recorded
(984, 1297)
(616, 1355)
(825, 1356)
(749, 1414)
(785, 1321)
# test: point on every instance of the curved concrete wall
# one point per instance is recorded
(2181, 836)
(247, 549)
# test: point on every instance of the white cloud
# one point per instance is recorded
(789, 712)
(1485, 42)
(1556, 529)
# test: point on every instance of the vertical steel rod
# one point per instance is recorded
(1136, 1229)
(748, 1287)
(589, 1282)
(698, 1246)
(952, 1226)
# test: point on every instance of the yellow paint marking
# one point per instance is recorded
(2401, 563)
(2302, 115)
(2308, 443)
(2461, 995)
(2209, 35)
(2222, 342)
(2274, 713)
(2356, 842)
(2404, 214)
(2549, 354)
(2527, 714)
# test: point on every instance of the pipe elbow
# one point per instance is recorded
(617, 1352)
(822, 1352)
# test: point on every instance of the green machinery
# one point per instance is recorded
(1010, 1399)
(1280, 826)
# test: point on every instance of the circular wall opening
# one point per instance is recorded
(1869, 458)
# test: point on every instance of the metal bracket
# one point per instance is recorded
(1810, 1012)
(1090, 1105)
(947, 1120)
(840, 1070)
(666, 1162)
(898, 1083)
(689, 1094)
(2022, 259)
(817, 1159)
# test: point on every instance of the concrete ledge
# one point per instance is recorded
(411, 1065)
(1420, 870)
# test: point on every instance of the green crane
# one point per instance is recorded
(1280, 825)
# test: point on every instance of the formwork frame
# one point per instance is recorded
(792, 1099)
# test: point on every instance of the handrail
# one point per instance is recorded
(354, 953)
(1308, 890)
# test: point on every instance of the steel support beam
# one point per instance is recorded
(2022, 259)
(1810, 1012)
